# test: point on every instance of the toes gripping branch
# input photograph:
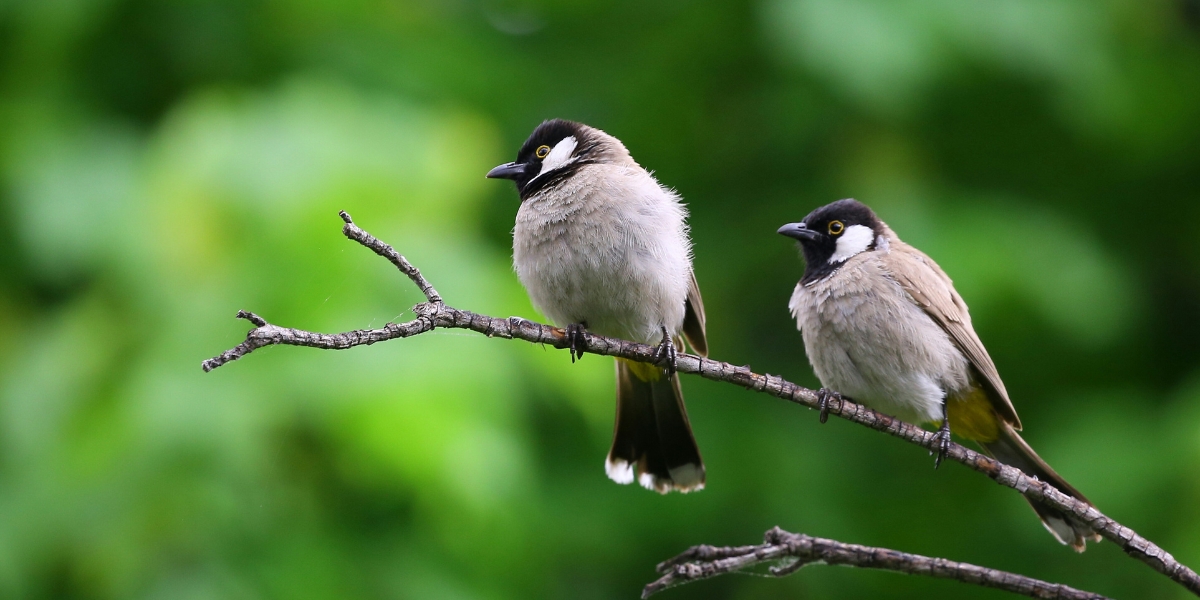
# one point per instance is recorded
(665, 355)
(823, 396)
(577, 342)
(943, 437)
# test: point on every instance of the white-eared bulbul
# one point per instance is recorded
(601, 245)
(883, 325)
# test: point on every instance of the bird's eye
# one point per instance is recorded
(542, 151)
(836, 228)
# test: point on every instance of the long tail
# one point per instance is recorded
(1011, 450)
(652, 438)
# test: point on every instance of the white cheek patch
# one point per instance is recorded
(856, 239)
(559, 157)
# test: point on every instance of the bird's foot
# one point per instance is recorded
(823, 396)
(664, 355)
(576, 338)
(943, 439)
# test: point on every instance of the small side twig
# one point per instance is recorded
(779, 546)
(436, 314)
(385, 250)
(266, 334)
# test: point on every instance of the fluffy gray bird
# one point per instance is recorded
(883, 325)
(600, 245)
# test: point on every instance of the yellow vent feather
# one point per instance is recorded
(648, 372)
(972, 416)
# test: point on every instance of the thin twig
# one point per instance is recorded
(434, 314)
(357, 234)
(703, 562)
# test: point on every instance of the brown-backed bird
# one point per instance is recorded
(883, 325)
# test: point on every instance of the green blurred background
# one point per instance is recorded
(164, 163)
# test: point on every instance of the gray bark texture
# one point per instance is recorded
(795, 550)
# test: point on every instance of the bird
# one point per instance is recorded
(883, 325)
(601, 246)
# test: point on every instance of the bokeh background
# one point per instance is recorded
(164, 163)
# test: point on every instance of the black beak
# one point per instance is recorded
(510, 170)
(798, 231)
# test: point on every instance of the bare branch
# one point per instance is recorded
(435, 313)
(355, 233)
(265, 334)
(779, 546)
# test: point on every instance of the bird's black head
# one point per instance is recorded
(555, 150)
(832, 234)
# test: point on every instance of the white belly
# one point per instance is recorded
(874, 345)
(608, 248)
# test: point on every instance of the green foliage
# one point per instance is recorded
(164, 163)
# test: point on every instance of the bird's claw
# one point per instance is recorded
(577, 341)
(665, 354)
(943, 439)
(823, 396)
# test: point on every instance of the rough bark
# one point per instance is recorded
(792, 551)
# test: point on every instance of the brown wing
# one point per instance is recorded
(933, 291)
(693, 319)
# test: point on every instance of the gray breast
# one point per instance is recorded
(867, 339)
(607, 247)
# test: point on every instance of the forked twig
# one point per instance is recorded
(796, 550)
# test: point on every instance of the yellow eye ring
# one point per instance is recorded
(836, 228)
(542, 151)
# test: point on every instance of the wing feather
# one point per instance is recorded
(932, 290)
(693, 319)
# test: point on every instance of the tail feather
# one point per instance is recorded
(1012, 450)
(652, 440)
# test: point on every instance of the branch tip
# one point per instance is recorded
(345, 217)
(253, 318)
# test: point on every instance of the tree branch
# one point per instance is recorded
(703, 562)
(434, 313)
